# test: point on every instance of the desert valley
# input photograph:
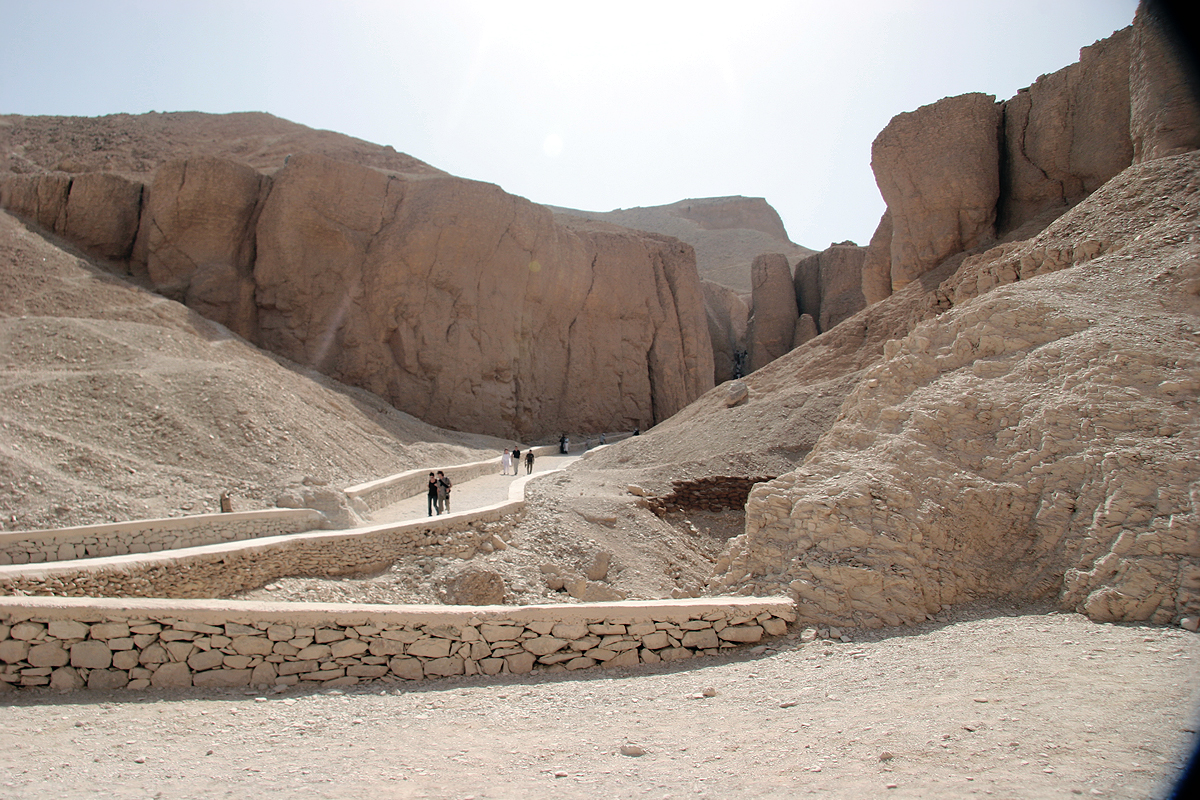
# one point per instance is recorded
(919, 517)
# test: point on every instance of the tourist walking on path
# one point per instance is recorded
(516, 461)
(529, 462)
(432, 495)
(506, 462)
(443, 492)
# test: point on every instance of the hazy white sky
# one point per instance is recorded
(592, 105)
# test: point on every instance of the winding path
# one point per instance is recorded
(485, 490)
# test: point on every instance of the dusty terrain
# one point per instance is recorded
(994, 702)
(118, 404)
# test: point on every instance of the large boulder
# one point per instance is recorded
(841, 271)
(829, 285)
(938, 169)
(1068, 133)
(1164, 113)
(197, 237)
(773, 325)
(471, 308)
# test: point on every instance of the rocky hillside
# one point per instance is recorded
(1037, 440)
(136, 145)
(1016, 419)
(454, 301)
(116, 404)
(727, 233)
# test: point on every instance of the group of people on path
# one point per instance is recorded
(438, 495)
(512, 460)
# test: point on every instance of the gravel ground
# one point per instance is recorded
(1007, 703)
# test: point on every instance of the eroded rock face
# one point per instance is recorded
(40, 198)
(1068, 133)
(471, 308)
(1165, 115)
(938, 170)
(806, 283)
(773, 325)
(97, 211)
(727, 233)
(806, 328)
(728, 317)
(1036, 440)
(197, 237)
(841, 271)
(877, 262)
(103, 211)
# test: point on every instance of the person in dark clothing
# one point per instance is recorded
(528, 462)
(443, 492)
(433, 494)
(562, 444)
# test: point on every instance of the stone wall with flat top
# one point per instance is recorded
(152, 535)
(76, 643)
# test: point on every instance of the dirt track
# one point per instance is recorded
(1037, 704)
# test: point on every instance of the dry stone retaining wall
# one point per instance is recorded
(151, 535)
(70, 644)
(225, 569)
(715, 493)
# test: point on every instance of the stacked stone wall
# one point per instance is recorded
(224, 570)
(716, 493)
(152, 535)
(97, 644)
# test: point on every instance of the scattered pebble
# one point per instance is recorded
(632, 750)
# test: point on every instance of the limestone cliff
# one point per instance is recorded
(1034, 441)
(966, 172)
(453, 300)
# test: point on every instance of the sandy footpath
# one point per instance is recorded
(483, 491)
(1005, 704)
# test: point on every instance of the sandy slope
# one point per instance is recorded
(116, 403)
